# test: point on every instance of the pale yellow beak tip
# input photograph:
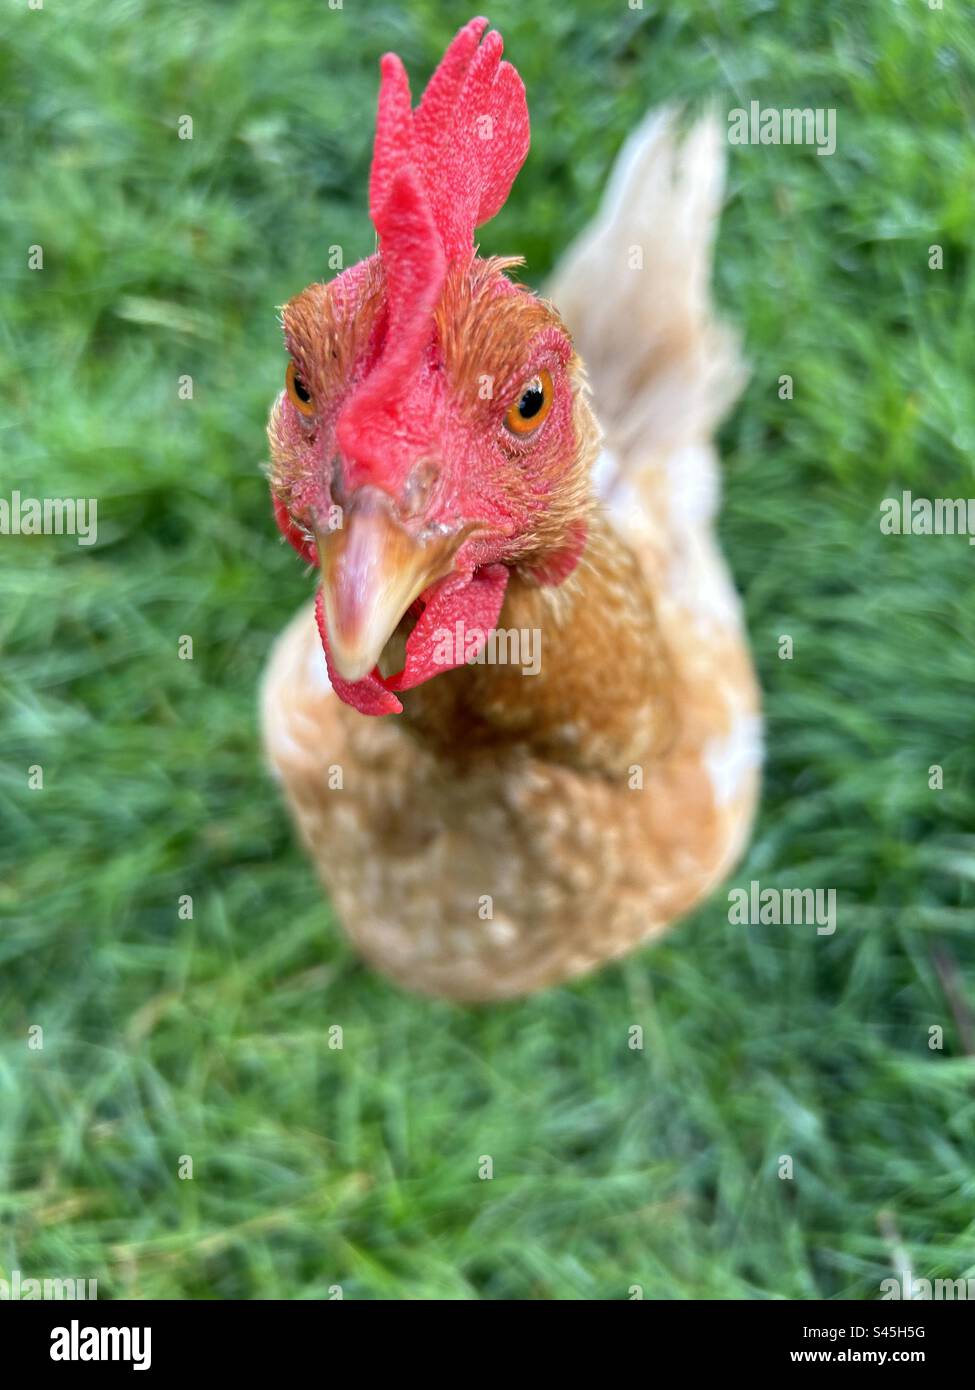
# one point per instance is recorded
(372, 571)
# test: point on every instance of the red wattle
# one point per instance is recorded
(368, 696)
(474, 601)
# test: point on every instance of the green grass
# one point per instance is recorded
(209, 1037)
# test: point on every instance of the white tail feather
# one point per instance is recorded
(634, 290)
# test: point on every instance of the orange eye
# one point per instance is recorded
(534, 402)
(298, 392)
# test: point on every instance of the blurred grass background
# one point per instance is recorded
(209, 1037)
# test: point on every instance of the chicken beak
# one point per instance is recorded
(372, 570)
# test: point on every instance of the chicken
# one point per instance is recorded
(483, 831)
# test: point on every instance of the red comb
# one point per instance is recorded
(437, 174)
(414, 264)
(467, 139)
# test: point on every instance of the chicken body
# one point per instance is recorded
(508, 831)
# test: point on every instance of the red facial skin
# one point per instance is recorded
(407, 418)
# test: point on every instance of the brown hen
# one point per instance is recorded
(483, 832)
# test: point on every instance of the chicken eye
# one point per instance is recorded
(298, 392)
(528, 412)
